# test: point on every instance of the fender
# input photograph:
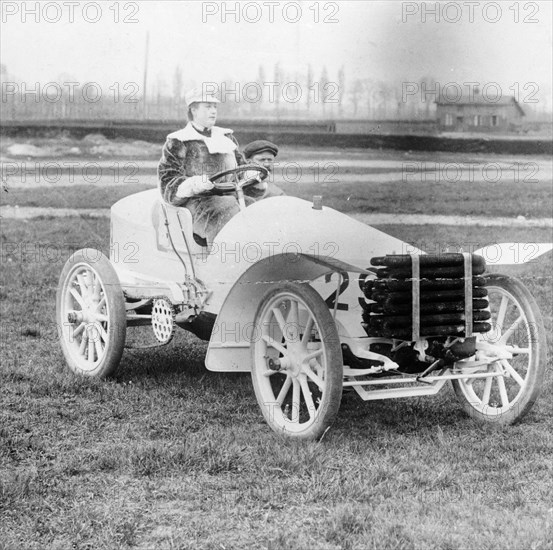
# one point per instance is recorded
(234, 330)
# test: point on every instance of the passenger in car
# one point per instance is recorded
(262, 152)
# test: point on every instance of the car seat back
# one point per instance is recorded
(175, 223)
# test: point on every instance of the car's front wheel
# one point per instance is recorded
(297, 365)
(90, 314)
(517, 327)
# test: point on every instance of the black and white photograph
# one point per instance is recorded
(276, 275)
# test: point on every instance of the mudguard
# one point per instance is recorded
(286, 239)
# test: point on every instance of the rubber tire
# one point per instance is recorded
(332, 396)
(536, 368)
(115, 302)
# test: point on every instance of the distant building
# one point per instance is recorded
(478, 114)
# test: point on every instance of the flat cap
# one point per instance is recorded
(199, 96)
(260, 146)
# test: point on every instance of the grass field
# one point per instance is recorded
(169, 455)
(397, 197)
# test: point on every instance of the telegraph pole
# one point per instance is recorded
(145, 81)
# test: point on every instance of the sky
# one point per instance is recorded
(383, 41)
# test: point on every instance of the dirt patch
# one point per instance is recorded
(92, 145)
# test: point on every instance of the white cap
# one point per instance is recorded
(198, 96)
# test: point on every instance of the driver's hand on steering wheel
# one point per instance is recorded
(194, 186)
(253, 174)
(249, 174)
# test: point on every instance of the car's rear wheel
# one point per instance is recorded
(90, 314)
(517, 326)
(297, 362)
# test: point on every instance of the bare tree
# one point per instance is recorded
(308, 87)
(160, 93)
(177, 91)
(324, 89)
(399, 105)
(277, 77)
(427, 86)
(256, 105)
(341, 90)
(369, 94)
(356, 94)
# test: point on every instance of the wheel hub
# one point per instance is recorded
(296, 362)
(89, 313)
(291, 364)
(75, 317)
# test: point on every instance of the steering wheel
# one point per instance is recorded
(231, 186)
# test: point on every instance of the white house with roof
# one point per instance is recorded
(476, 112)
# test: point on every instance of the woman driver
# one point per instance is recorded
(190, 156)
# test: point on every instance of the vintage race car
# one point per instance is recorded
(310, 301)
